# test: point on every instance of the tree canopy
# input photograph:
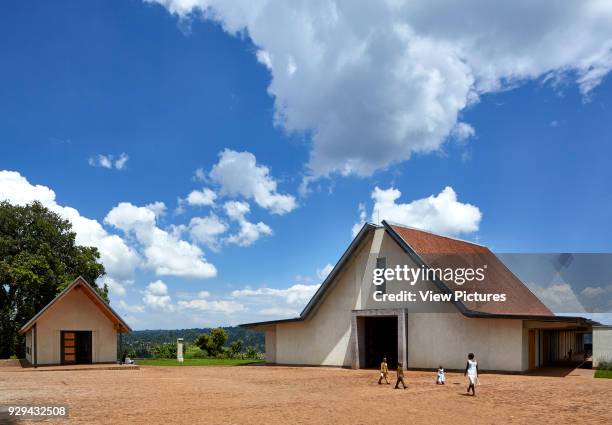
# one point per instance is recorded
(38, 258)
(213, 342)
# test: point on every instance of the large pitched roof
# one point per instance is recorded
(442, 251)
(80, 283)
(423, 247)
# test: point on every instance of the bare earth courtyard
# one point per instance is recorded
(294, 395)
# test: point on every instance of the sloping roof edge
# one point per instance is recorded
(419, 262)
(75, 282)
(325, 286)
(460, 306)
(365, 230)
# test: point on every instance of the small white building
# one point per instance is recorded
(343, 326)
(77, 327)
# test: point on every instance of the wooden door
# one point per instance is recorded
(68, 347)
(532, 349)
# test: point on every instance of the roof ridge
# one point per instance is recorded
(79, 280)
(405, 226)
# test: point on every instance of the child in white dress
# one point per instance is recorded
(471, 370)
(441, 379)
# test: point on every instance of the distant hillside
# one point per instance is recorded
(142, 341)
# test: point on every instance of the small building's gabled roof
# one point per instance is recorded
(420, 246)
(92, 294)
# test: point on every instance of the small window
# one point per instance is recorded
(381, 263)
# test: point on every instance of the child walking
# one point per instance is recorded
(441, 379)
(400, 376)
(384, 371)
(471, 370)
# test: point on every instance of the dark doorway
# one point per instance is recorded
(563, 347)
(76, 347)
(380, 341)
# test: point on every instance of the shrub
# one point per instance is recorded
(235, 348)
(223, 353)
(252, 353)
(164, 351)
(195, 352)
(604, 364)
(202, 341)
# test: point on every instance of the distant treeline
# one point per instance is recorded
(141, 343)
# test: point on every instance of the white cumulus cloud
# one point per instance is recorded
(164, 252)
(325, 271)
(131, 308)
(214, 306)
(558, 297)
(362, 219)
(204, 197)
(248, 232)
(108, 161)
(156, 296)
(158, 208)
(375, 82)
(119, 259)
(114, 286)
(462, 131)
(295, 294)
(275, 302)
(441, 213)
(237, 173)
(207, 230)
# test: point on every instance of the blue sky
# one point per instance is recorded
(172, 90)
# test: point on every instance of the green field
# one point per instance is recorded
(196, 362)
(603, 374)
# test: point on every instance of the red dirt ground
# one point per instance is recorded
(287, 395)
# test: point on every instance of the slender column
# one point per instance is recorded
(402, 337)
(354, 343)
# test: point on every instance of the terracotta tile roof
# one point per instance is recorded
(442, 251)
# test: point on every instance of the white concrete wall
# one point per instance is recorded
(396, 256)
(28, 343)
(602, 344)
(446, 339)
(437, 334)
(270, 333)
(324, 338)
(525, 348)
(75, 312)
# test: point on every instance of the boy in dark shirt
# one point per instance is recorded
(400, 376)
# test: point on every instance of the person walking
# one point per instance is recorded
(471, 371)
(384, 371)
(400, 376)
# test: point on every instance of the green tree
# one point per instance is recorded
(213, 342)
(218, 336)
(202, 341)
(38, 258)
(236, 347)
